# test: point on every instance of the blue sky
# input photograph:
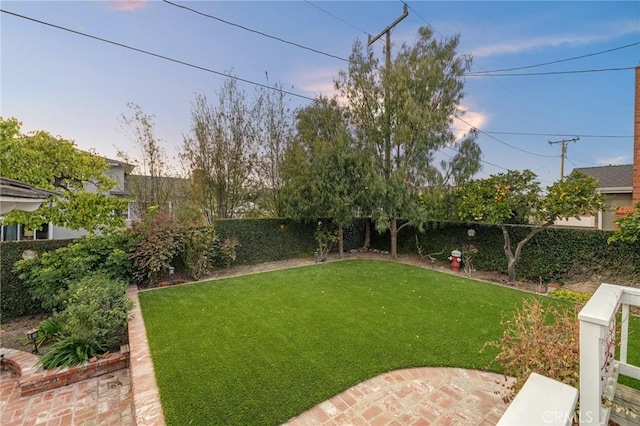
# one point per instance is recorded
(77, 87)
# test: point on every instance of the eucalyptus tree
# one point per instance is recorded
(324, 175)
(401, 115)
(220, 153)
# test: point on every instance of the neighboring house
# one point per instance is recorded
(118, 171)
(619, 184)
(16, 195)
(616, 184)
(173, 189)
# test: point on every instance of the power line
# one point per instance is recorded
(496, 166)
(337, 17)
(233, 24)
(156, 55)
(424, 20)
(476, 74)
(503, 142)
(444, 37)
(560, 60)
(554, 134)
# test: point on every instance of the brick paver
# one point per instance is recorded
(415, 396)
(103, 400)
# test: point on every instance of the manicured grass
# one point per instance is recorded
(260, 349)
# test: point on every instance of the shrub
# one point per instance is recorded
(539, 339)
(94, 320)
(325, 237)
(69, 351)
(158, 239)
(97, 310)
(198, 243)
(15, 294)
(48, 330)
(573, 296)
(50, 274)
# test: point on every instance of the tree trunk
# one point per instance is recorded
(367, 234)
(340, 241)
(394, 237)
(511, 259)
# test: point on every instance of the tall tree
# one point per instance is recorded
(275, 127)
(151, 185)
(324, 175)
(54, 163)
(402, 114)
(516, 197)
(220, 152)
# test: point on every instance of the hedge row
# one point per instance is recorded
(15, 299)
(556, 254)
(267, 240)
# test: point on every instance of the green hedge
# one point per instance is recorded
(556, 254)
(15, 299)
(267, 240)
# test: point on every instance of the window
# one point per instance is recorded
(15, 232)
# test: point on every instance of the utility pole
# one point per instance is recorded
(387, 145)
(563, 153)
(387, 115)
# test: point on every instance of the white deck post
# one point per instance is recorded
(597, 318)
(591, 359)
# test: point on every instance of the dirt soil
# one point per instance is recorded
(13, 331)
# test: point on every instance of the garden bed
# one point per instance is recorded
(33, 379)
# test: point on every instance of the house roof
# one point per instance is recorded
(16, 195)
(17, 189)
(611, 176)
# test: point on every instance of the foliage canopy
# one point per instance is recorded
(516, 197)
(55, 164)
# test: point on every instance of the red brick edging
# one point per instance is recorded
(34, 379)
(147, 408)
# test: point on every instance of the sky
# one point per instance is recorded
(78, 88)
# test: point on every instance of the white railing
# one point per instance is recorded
(598, 368)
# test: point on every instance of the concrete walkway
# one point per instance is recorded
(415, 396)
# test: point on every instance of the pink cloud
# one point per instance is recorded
(127, 5)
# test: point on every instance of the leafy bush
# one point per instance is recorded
(157, 241)
(69, 351)
(539, 339)
(97, 310)
(325, 237)
(50, 274)
(49, 329)
(198, 243)
(573, 296)
(94, 320)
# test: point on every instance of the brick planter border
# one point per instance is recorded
(34, 379)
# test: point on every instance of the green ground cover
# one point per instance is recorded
(260, 349)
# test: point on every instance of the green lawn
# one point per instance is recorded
(260, 349)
